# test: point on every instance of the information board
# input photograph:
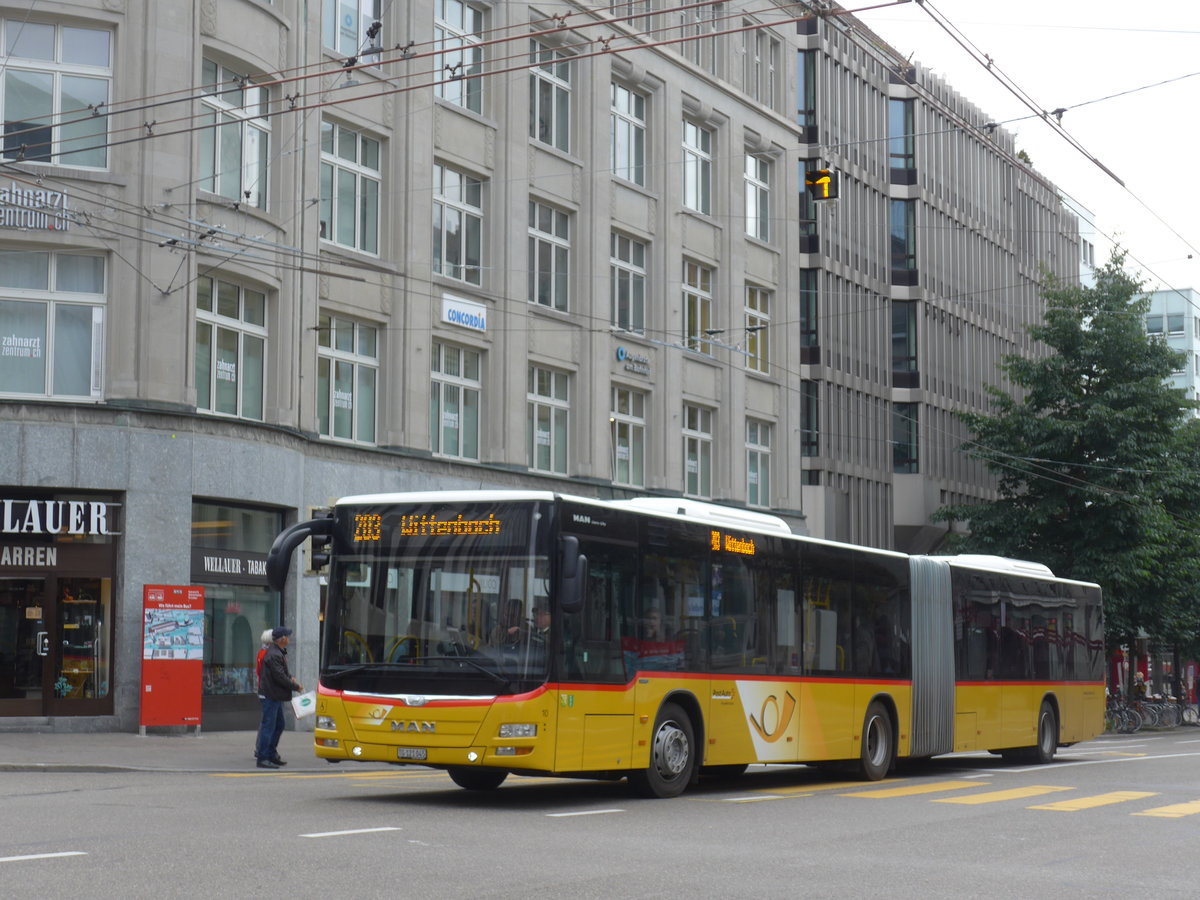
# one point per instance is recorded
(172, 654)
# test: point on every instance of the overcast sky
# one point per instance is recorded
(1064, 53)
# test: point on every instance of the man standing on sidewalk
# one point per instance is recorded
(275, 684)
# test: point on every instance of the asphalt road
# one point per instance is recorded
(1114, 816)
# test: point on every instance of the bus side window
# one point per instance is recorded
(593, 636)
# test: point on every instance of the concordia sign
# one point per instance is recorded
(34, 208)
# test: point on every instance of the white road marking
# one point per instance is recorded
(4, 859)
(584, 812)
(320, 834)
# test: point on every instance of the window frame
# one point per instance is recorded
(547, 398)
(627, 134)
(628, 422)
(459, 61)
(459, 202)
(246, 330)
(757, 174)
(697, 146)
(331, 11)
(248, 119)
(360, 361)
(757, 311)
(549, 256)
(51, 133)
(55, 300)
(697, 435)
(698, 304)
(906, 447)
(550, 97)
(466, 386)
(366, 221)
(758, 463)
(628, 283)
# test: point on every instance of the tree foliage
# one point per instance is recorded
(1097, 464)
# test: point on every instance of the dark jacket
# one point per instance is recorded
(275, 682)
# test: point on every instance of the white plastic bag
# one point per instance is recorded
(304, 704)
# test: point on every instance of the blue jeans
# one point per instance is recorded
(267, 746)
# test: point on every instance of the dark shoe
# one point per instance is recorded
(268, 764)
(278, 761)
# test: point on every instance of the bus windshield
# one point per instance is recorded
(438, 600)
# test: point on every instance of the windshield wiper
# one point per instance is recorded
(474, 664)
(361, 667)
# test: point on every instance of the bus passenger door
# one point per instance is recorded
(595, 698)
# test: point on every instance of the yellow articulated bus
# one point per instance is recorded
(660, 640)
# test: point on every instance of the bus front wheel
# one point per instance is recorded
(474, 778)
(878, 743)
(672, 756)
(1047, 735)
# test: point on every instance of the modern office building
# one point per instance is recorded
(256, 255)
(1174, 316)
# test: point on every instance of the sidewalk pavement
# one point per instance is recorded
(210, 751)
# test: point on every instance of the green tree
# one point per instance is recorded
(1097, 466)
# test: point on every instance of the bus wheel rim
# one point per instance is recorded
(671, 750)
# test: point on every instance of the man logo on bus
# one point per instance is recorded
(771, 715)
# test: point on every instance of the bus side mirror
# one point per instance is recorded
(279, 559)
(573, 568)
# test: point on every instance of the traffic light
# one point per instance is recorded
(822, 184)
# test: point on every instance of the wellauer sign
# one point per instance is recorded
(57, 517)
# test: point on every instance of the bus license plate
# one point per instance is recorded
(410, 752)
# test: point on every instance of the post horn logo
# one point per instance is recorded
(771, 713)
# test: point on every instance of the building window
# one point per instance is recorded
(50, 74)
(51, 325)
(806, 212)
(346, 23)
(547, 404)
(549, 96)
(696, 27)
(627, 268)
(697, 451)
(628, 136)
(758, 197)
(235, 136)
(904, 343)
(697, 307)
(1154, 324)
(457, 28)
(239, 607)
(454, 401)
(810, 418)
(758, 463)
(347, 376)
(806, 89)
(549, 255)
(904, 236)
(231, 346)
(760, 64)
(900, 134)
(349, 188)
(758, 317)
(697, 168)
(904, 438)
(1175, 323)
(457, 224)
(809, 331)
(628, 421)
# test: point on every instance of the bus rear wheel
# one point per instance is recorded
(672, 756)
(1047, 735)
(878, 743)
(474, 778)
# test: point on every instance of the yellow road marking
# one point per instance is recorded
(1033, 790)
(1175, 811)
(929, 787)
(828, 786)
(1098, 800)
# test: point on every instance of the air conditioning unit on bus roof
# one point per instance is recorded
(999, 563)
(711, 512)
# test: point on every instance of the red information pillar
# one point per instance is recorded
(172, 654)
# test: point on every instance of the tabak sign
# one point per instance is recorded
(51, 517)
(36, 208)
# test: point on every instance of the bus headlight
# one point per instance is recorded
(327, 723)
(511, 730)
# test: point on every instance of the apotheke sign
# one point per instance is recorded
(36, 208)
